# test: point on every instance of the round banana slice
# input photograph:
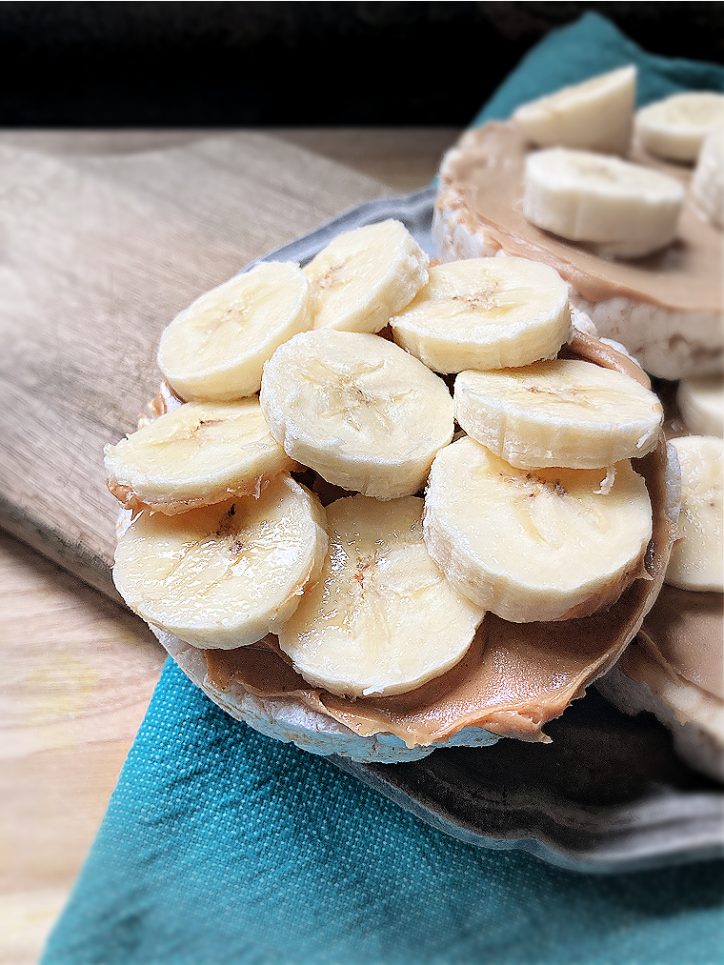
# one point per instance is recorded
(675, 127)
(226, 575)
(195, 455)
(626, 210)
(707, 185)
(701, 404)
(358, 410)
(549, 544)
(364, 276)
(382, 619)
(597, 114)
(566, 412)
(216, 348)
(697, 559)
(486, 313)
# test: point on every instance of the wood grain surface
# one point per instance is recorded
(403, 158)
(78, 672)
(100, 253)
(90, 289)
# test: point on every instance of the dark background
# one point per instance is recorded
(197, 64)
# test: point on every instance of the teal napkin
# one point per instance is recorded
(220, 845)
(591, 46)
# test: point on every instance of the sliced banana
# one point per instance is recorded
(364, 276)
(701, 404)
(597, 114)
(549, 544)
(626, 210)
(382, 619)
(697, 559)
(224, 576)
(486, 313)
(358, 410)
(562, 413)
(675, 127)
(707, 185)
(216, 348)
(195, 455)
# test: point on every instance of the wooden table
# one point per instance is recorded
(79, 670)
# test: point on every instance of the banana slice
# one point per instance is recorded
(626, 210)
(195, 455)
(358, 410)
(701, 404)
(549, 544)
(216, 348)
(707, 186)
(364, 276)
(224, 576)
(486, 313)
(697, 559)
(382, 619)
(675, 127)
(597, 114)
(562, 413)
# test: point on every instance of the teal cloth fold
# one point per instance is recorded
(591, 46)
(221, 845)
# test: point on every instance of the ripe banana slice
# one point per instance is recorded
(624, 209)
(562, 413)
(697, 559)
(675, 127)
(382, 619)
(358, 410)
(486, 313)
(226, 575)
(701, 404)
(707, 186)
(364, 276)
(216, 348)
(549, 544)
(195, 455)
(596, 115)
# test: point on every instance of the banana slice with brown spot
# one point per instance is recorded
(530, 545)
(358, 410)
(382, 619)
(486, 313)
(565, 412)
(195, 455)
(226, 575)
(216, 348)
(365, 276)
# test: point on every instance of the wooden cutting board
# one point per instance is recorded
(97, 254)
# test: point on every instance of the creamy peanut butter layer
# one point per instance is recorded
(683, 631)
(515, 677)
(483, 179)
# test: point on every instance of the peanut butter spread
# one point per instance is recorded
(515, 677)
(683, 632)
(483, 180)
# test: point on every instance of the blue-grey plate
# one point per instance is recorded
(608, 794)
